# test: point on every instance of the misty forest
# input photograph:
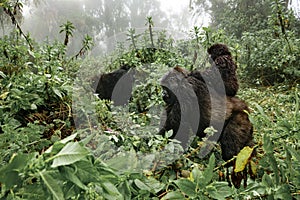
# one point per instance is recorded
(140, 99)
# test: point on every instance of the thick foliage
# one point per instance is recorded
(34, 97)
(35, 114)
(267, 59)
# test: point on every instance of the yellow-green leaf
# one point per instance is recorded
(253, 167)
(243, 158)
(4, 95)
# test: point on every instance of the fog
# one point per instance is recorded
(102, 19)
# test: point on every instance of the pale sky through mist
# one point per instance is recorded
(174, 6)
(181, 7)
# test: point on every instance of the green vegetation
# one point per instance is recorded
(115, 152)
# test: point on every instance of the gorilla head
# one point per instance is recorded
(217, 50)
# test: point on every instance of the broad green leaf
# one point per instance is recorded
(31, 191)
(256, 188)
(57, 92)
(141, 185)
(111, 191)
(267, 144)
(59, 144)
(9, 174)
(154, 184)
(87, 171)
(52, 184)
(121, 162)
(174, 195)
(242, 159)
(209, 171)
(69, 138)
(267, 181)
(283, 192)
(55, 148)
(274, 165)
(195, 175)
(10, 178)
(69, 154)
(69, 173)
(219, 190)
(124, 189)
(187, 187)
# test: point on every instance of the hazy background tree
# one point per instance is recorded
(238, 16)
(264, 36)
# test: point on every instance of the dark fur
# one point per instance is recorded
(116, 86)
(238, 130)
(179, 86)
(223, 64)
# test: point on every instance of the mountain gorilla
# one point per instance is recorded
(192, 106)
(115, 86)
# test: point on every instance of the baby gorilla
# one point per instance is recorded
(222, 65)
(192, 106)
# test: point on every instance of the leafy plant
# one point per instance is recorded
(68, 28)
(150, 27)
(87, 44)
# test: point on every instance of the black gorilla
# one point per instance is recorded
(192, 106)
(116, 86)
(181, 94)
(222, 65)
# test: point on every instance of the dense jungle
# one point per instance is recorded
(84, 113)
